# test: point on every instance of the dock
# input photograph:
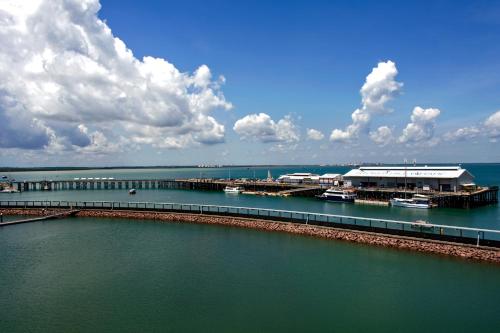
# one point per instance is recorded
(461, 199)
(58, 215)
(302, 191)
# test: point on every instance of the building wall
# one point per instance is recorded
(436, 184)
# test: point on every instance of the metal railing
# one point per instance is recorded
(422, 230)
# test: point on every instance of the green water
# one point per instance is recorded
(98, 275)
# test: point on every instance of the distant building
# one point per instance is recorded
(439, 178)
(299, 178)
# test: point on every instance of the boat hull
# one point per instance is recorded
(335, 199)
(403, 204)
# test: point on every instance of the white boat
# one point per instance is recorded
(233, 189)
(132, 191)
(418, 201)
(9, 190)
(337, 195)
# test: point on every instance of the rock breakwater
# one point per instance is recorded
(391, 241)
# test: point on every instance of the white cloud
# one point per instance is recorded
(463, 133)
(489, 128)
(421, 127)
(379, 88)
(313, 134)
(382, 136)
(61, 64)
(492, 125)
(262, 128)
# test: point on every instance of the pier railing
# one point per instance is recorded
(485, 237)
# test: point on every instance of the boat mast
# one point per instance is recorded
(405, 161)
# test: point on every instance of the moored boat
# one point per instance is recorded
(418, 201)
(233, 189)
(9, 190)
(337, 195)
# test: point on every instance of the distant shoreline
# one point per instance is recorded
(83, 168)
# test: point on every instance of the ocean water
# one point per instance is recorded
(112, 275)
(484, 217)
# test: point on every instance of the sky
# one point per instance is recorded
(103, 83)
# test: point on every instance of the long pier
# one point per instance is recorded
(41, 218)
(120, 184)
(448, 233)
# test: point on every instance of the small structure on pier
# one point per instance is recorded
(299, 178)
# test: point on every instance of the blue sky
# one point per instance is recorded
(305, 62)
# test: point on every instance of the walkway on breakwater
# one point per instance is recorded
(56, 215)
(463, 251)
(417, 229)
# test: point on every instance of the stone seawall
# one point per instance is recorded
(399, 242)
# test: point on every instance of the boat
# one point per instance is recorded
(418, 201)
(132, 191)
(4, 177)
(337, 195)
(233, 189)
(9, 190)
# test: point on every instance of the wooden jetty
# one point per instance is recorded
(119, 184)
(302, 191)
(57, 215)
(462, 199)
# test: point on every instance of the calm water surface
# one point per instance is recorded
(98, 275)
(95, 275)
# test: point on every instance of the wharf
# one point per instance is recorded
(253, 186)
(480, 197)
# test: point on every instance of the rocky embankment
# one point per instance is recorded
(406, 243)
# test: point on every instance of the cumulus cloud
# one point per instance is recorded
(382, 136)
(492, 125)
(463, 133)
(489, 128)
(61, 68)
(313, 134)
(379, 88)
(262, 128)
(421, 127)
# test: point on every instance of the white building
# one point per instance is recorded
(299, 178)
(439, 178)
